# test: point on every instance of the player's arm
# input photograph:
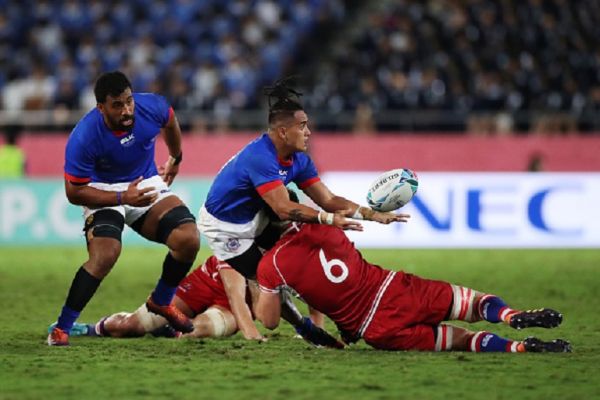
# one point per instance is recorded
(279, 200)
(235, 288)
(268, 309)
(84, 195)
(321, 195)
(172, 137)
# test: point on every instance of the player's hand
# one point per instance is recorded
(389, 217)
(342, 222)
(168, 171)
(139, 197)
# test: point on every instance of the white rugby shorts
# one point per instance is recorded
(226, 239)
(130, 213)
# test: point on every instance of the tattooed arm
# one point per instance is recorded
(278, 199)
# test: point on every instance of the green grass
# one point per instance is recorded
(33, 285)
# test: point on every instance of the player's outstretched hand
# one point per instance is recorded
(389, 217)
(168, 171)
(139, 197)
(346, 224)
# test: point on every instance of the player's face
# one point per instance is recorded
(118, 111)
(297, 132)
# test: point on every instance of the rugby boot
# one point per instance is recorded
(540, 318)
(317, 336)
(77, 329)
(535, 345)
(178, 320)
(58, 337)
(166, 331)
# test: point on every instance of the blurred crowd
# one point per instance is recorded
(491, 61)
(202, 54)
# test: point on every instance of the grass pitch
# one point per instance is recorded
(34, 282)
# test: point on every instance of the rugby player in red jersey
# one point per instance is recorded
(389, 310)
(201, 296)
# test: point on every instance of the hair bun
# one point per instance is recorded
(281, 91)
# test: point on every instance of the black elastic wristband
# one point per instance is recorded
(178, 159)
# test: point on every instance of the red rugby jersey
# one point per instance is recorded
(328, 272)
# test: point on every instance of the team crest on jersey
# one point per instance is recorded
(233, 244)
(128, 140)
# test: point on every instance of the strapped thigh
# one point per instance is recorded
(104, 223)
(463, 304)
(172, 219)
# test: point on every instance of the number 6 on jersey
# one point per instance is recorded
(328, 268)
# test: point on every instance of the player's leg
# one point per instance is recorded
(126, 324)
(471, 306)
(453, 338)
(103, 234)
(169, 221)
(215, 322)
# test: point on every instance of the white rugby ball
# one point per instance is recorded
(392, 190)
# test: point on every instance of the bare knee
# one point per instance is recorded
(184, 242)
(104, 253)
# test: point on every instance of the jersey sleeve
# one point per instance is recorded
(79, 161)
(263, 174)
(267, 277)
(308, 173)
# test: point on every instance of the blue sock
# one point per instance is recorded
(488, 342)
(493, 308)
(163, 294)
(67, 318)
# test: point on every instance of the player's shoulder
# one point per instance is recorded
(261, 144)
(318, 233)
(259, 151)
(87, 126)
(150, 100)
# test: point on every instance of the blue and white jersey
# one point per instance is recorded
(235, 195)
(95, 153)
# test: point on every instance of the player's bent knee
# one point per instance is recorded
(106, 224)
(464, 304)
(171, 220)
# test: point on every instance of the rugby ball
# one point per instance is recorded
(392, 190)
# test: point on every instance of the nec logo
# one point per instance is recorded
(508, 206)
(128, 140)
(282, 172)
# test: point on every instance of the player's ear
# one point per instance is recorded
(100, 107)
(282, 132)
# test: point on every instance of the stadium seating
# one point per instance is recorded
(476, 65)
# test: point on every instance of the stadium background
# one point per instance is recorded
(495, 104)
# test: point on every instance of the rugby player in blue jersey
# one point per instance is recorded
(110, 172)
(233, 218)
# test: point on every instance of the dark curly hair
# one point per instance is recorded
(283, 100)
(110, 84)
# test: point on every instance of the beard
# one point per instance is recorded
(124, 125)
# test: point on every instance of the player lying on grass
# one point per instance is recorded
(202, 296)
(389, 310)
